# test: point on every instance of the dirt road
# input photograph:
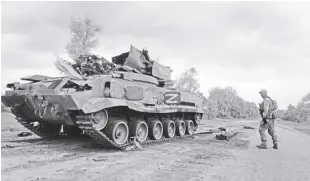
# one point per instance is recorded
(199, 158)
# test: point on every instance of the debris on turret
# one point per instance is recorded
(88, 65)
(133, 61)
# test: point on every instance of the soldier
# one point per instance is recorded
(267, 108)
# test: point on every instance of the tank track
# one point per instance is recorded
(85, 124)
(25, 123)
(33, 129)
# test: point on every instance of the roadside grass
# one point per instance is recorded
(9, 124)
(10, 129)
(303, 127)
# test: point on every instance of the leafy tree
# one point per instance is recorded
(82, 41)
(188, 81)
(83, 37)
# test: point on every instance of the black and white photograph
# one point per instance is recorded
(155, 90)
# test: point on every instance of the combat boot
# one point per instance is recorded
(275, 146)
(262, 146)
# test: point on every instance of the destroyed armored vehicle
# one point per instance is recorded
(133, 99)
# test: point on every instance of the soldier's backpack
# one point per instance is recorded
(274, 105)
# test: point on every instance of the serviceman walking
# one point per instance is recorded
(267, 108)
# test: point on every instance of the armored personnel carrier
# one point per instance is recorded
(133, 98)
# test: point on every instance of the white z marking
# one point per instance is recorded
(171, 99)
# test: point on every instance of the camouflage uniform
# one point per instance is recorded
(269, 116)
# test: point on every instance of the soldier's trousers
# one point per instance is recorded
(271, 130)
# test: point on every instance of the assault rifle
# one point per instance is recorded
(261, 110)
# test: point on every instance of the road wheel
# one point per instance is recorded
(139, 129)
(169, 129)
(100, 119)
(189, 127)
(118, 131)
(155, 129)
(180, 128)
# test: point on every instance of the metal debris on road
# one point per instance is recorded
(248, 127)
(24, 134)
(100, 159)
(222, 129)
(226, 136)
(206, 132)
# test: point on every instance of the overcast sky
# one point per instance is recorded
(246, 45)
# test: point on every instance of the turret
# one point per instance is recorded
(141, 62)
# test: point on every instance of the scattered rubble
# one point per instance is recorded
(8, 146)
(222, 133)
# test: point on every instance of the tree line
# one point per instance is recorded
(299, 113)
(221, 102)
(225, 102)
